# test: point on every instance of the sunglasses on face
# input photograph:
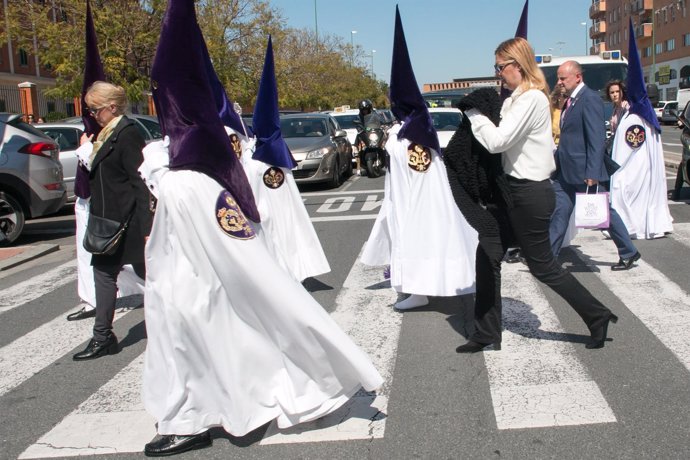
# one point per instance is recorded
(499, 67)
(94, 111)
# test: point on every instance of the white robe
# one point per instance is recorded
(638, 188)
(420, 231)
(233, 340)
(284, 219)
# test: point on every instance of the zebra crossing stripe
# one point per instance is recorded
(364, 311)
(537, 380)
(38, 286)
(111, 421)
(661, 305)
(32, 352)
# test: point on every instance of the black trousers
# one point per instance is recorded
(105, 280)
(527, 224)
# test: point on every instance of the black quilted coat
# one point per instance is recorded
(476, 176)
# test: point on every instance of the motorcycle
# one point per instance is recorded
(371, 140)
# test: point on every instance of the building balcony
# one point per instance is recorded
(597, 9)
(597, 48)
(643, 30)
(597, 30)
(641, 6)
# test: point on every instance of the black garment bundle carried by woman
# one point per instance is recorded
(476, 176)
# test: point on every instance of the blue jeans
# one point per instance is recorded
(565, 203)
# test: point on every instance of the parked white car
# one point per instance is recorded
(67, 134)
(446, 121)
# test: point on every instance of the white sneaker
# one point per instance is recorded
(413, 301)
(606, 234)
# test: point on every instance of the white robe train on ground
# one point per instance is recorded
(420, 231)
(233, 340)
(638, 188)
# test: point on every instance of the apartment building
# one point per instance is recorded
(662, 31)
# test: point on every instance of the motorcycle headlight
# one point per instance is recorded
(318, 153)
(373, 137)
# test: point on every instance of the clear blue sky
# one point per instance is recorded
(446, 38)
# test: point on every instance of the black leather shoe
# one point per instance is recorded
(81, 314)
(599, 334)
(96, 349)
(626, 264)
(474, 347)
(173, 444)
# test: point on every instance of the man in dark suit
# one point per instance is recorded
(580, 161)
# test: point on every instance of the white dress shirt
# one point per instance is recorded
(523, 135)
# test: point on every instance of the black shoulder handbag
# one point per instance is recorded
(103, 236)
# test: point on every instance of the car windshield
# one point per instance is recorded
(19, 124)
(347, 121)
(445, 121)
(660, 105)
(303, 127)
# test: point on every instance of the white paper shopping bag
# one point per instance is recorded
(592, 209)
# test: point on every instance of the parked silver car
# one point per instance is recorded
(31, 183)
(67, 134)
(319, 146)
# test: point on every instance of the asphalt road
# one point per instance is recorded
(544, 396)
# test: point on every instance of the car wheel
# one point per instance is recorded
(11, 219)
(335, 179)
(348, 167)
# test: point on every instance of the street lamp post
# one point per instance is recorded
(373, 75)
(352, 45)
(560, 48)
(585, 25)
(316, 25)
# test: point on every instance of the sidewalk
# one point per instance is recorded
(11, 257)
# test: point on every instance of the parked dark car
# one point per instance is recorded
(67, 133)
(319, 146)
(31, 183)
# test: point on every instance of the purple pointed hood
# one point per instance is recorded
(93, 72)
(224, 106)
(521, 30)
(635, 86)
(407, 102)
(270, 145)
(187, 110)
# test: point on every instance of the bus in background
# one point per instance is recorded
(597, 71)
(446, 97)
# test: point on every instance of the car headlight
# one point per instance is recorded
(318, 153)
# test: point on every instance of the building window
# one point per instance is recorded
(670, 44)
(23, 58)
(658, 48)
(686, 40)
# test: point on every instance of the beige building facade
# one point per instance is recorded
(662, 31)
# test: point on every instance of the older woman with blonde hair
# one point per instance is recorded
(118, 194)
(524, 138)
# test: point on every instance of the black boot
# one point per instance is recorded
(599, 333)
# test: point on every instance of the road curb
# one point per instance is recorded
(30, 253)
